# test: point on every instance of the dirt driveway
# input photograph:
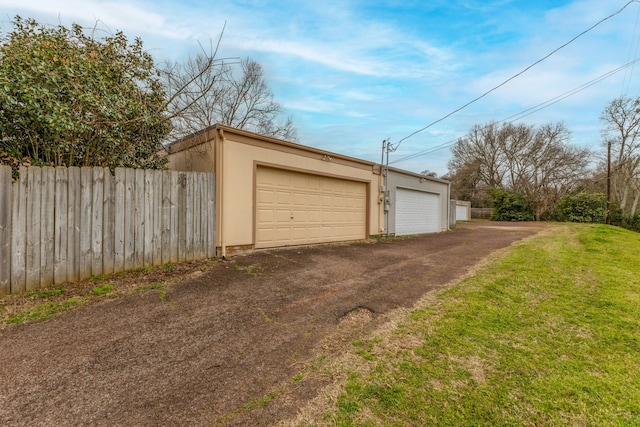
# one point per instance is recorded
(226, 347)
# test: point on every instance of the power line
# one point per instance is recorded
(528, 111)
(634, 41)
(516, 75)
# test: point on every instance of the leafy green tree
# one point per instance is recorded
(510, 206)
(69, 99)
(583, 207)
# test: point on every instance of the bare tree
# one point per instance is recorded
(537, 163)
(232, 92)
(427, 172)
(622, 130)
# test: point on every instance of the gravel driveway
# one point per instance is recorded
(222, 348)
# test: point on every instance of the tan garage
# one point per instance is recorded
(272, 193)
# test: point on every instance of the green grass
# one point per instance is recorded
(168, 267)
(150, 286)
(548, 335)
(43, 311)
(102, 290)
(46, 293)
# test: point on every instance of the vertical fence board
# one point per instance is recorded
(19, 233)
(34, 191)
(73, 224)
(198, 216)
(86, 200)
(157, 217)
(129, 219)
(5, 230)
(60, 226)
(197, 224)
(108, 223)
(182, 216)
(205, 215)
(138, 232)
(204, 219)
(211, 215)
(47, 212)
(189, 217)
(166, 217)
(174, 216)
(118, 259)
(97, 210)
(201, 209)
(148, 217)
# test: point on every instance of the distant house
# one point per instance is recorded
(273, 193)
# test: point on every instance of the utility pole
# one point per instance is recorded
(608, 221)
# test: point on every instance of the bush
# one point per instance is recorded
(67, 99)
(631, 222)
(583, 207)
(509, 206)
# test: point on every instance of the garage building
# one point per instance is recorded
(415, 204)
(273, 193)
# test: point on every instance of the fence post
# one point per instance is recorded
(5, 230)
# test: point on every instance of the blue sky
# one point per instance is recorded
(354, 72)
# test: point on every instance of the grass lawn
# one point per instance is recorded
(547, 335)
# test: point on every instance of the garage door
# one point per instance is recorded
(294, 208)
(461, 213)
(417, 212)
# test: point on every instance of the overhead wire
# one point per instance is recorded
(635, 40)
(515, 75)
(527, 112)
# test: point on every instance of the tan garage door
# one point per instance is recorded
(294, 208)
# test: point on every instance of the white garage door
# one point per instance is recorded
(461, 213)
(416, 212)
(294, 208)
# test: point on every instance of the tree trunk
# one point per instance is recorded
(635, 203)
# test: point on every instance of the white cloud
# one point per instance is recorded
(115, 15)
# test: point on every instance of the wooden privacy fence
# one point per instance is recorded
(66, 224)
(482, 213)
